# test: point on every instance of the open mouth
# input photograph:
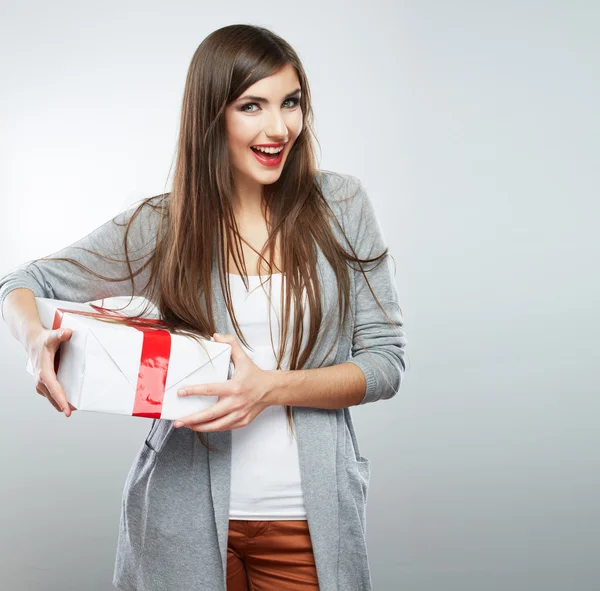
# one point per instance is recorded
(265, 154)
(268, 159)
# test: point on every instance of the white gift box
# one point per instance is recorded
(120, 369)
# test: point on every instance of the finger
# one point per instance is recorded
(56, 391)
(218, 389)
(55, 338)
(226, 423)
(43, 391)
(59, 335)
(213, 412)
(238, 355)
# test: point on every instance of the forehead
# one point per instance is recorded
(282, 82)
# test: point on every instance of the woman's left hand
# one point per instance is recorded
(241, 399)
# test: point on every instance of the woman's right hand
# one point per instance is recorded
(41, 349)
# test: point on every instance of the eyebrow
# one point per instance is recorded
(260, 99)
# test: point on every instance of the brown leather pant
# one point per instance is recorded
(270, 556)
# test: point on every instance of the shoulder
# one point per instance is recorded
(338, 187)
(142, 220)
(146, 211)
(346, 196)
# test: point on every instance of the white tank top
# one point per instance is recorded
(265, 472)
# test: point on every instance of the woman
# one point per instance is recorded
(258, 506)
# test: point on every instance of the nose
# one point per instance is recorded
(276, 128)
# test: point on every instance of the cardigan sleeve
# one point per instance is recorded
(62, 280)
(378, 345)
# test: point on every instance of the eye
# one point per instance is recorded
(294, 100)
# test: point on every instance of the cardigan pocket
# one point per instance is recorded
(359, 476)
(363, 466)
(138, 476)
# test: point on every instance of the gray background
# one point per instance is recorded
(474, 127)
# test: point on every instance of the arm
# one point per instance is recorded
(21, 315)
(61, 280)
(368, 375)
(336, 386)
(377, 345)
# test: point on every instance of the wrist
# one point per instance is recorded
(31, 336)
(276, 385)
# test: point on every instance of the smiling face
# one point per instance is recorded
(250, 122)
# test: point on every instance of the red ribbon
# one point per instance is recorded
(154, 362)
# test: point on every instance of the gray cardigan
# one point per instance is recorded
(175, 504)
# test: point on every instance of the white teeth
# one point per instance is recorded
(269, 150)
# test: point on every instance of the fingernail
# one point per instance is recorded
(217, 335)
(178, 424)
(181, 392)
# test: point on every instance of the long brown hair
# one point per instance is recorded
(199, 207)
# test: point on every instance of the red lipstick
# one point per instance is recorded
(268, 159)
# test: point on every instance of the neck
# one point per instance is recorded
(248, 200)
